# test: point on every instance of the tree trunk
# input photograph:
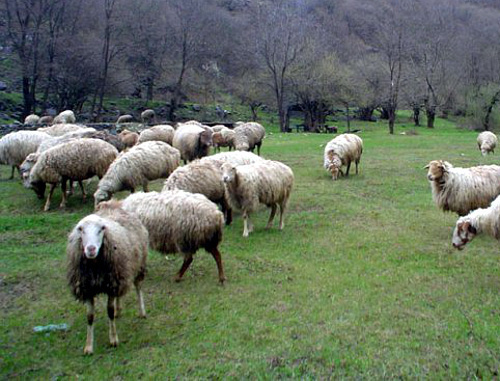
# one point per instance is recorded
(489, 109)
(431, 116)
(366, 113)
(253, 109)
(416, 115)
(348, 117)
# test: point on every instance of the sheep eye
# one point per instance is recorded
(80, 228)
(104, 227)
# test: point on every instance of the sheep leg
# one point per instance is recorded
(247, 224)
(282, 212)
(49, 197)
(227, 211)
(258, 149)
(84, 195)
(216, 254)
(271, 216)
(113, 337)
(70, 192)
(357, 163)
(140, 299)
(188, 258)
(145, 187)
(347, 170)
(64, 195)
(89, 345)
(118, 307)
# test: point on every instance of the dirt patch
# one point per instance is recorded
(11, 291)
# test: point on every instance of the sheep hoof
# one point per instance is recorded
(88, 350)
(113, 343)
(143, 316)
(46, 209)
(177, 279)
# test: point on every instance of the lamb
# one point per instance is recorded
(193, 141)
(127, 118)
(16, 146)
(486, 142)
(342, 150)
(161, 132)
(61, 129)
(268, 182)
(223, 138)
(247, 136)
(201, 177)
(139, 165)
(476, 222)
(31, 120)
(461, 190)
(106, 252)
(65, 117)
(128, 138)
(148, 116)
(75, 160)
(179, 221)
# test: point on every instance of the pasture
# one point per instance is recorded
(362, 282)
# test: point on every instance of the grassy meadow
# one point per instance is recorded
(362, 283)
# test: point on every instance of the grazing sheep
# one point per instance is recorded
(486, 142)
(106, 253)
(268, 182)
(161, 132)
(193, 141)
(247, 136)
(128, 138)
(16, 146)
(45, 120)
(179, 221)
(223, 138)
(75, 160)
(114, 140)
(476, 222)
(139, 165)
(65, 117)
(31, 120)
(342, 150)
(148, 116)
(461, 190)
(61, 129)
(204, 178)
(127, 118)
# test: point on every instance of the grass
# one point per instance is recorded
(361, 283)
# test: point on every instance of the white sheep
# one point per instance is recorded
(235, 158)
(179, 222)
(128, 138)
(268, 182)
(31, 120)
(461, 190)
(193, 141)
(65, 117)
(61, 129)
(204, 178)
(136, 167)
(127, 118)
(148, 116)
(486, 142)
(75, 160)
(342, 150)
(247, 136)
(106, 254)
(16, 146)
(476, 222)
(161, 132)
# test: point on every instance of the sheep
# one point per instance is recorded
(247, 136)
(223, 138)
(235, 158)
(65, 117)
(476, 222)
(61, 129)
(161, 132)
(106, 252)
(127, 118)
(218, 127)
(75, 160)
(342, 150)
(110, 138)
(16, 146)
(268, 182)
(139, 165)
(179, 221)
(204, 178)
(31, 120)
(461, 190)
(45, 120)
(192, 141)
(486, 142)
(148, 116)
(128, 138)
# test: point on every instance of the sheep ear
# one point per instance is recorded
(427, 166)
(471, 229)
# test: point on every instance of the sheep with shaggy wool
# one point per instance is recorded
(204, 178)
(106, 253)
(127, 118)
(476, 222)
(161, 132)
(148, 116)
(65, 117)
(193, 141)
(223, 138)
(108, 137)
(31, 120)
(342, 150)
(234, 157)
(128, 138)
(461, 190)
(247, 136)
(45, 120)
(61, 129)
(16, 146)
(136, 167)
(487, 142)
(179, 222)
(268, 182)
(75, 160)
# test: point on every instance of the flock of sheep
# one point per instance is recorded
(107, 250)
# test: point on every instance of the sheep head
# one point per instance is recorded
(26, 166)
(334, 165)
(228, 173)
(101, 195)
(464, 232)
(91, 231)
(206, 137)
(437, 169)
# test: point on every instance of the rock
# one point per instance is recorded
(3, 86)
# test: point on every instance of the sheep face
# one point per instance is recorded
(464, 232)
(91, 233)
(334, 167)
(25, 168)
(38, 187)
(206, 138)
(228, 173)
(436, 170)
(101, 195)
(242, 146)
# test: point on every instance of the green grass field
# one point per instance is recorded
(362, 283)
